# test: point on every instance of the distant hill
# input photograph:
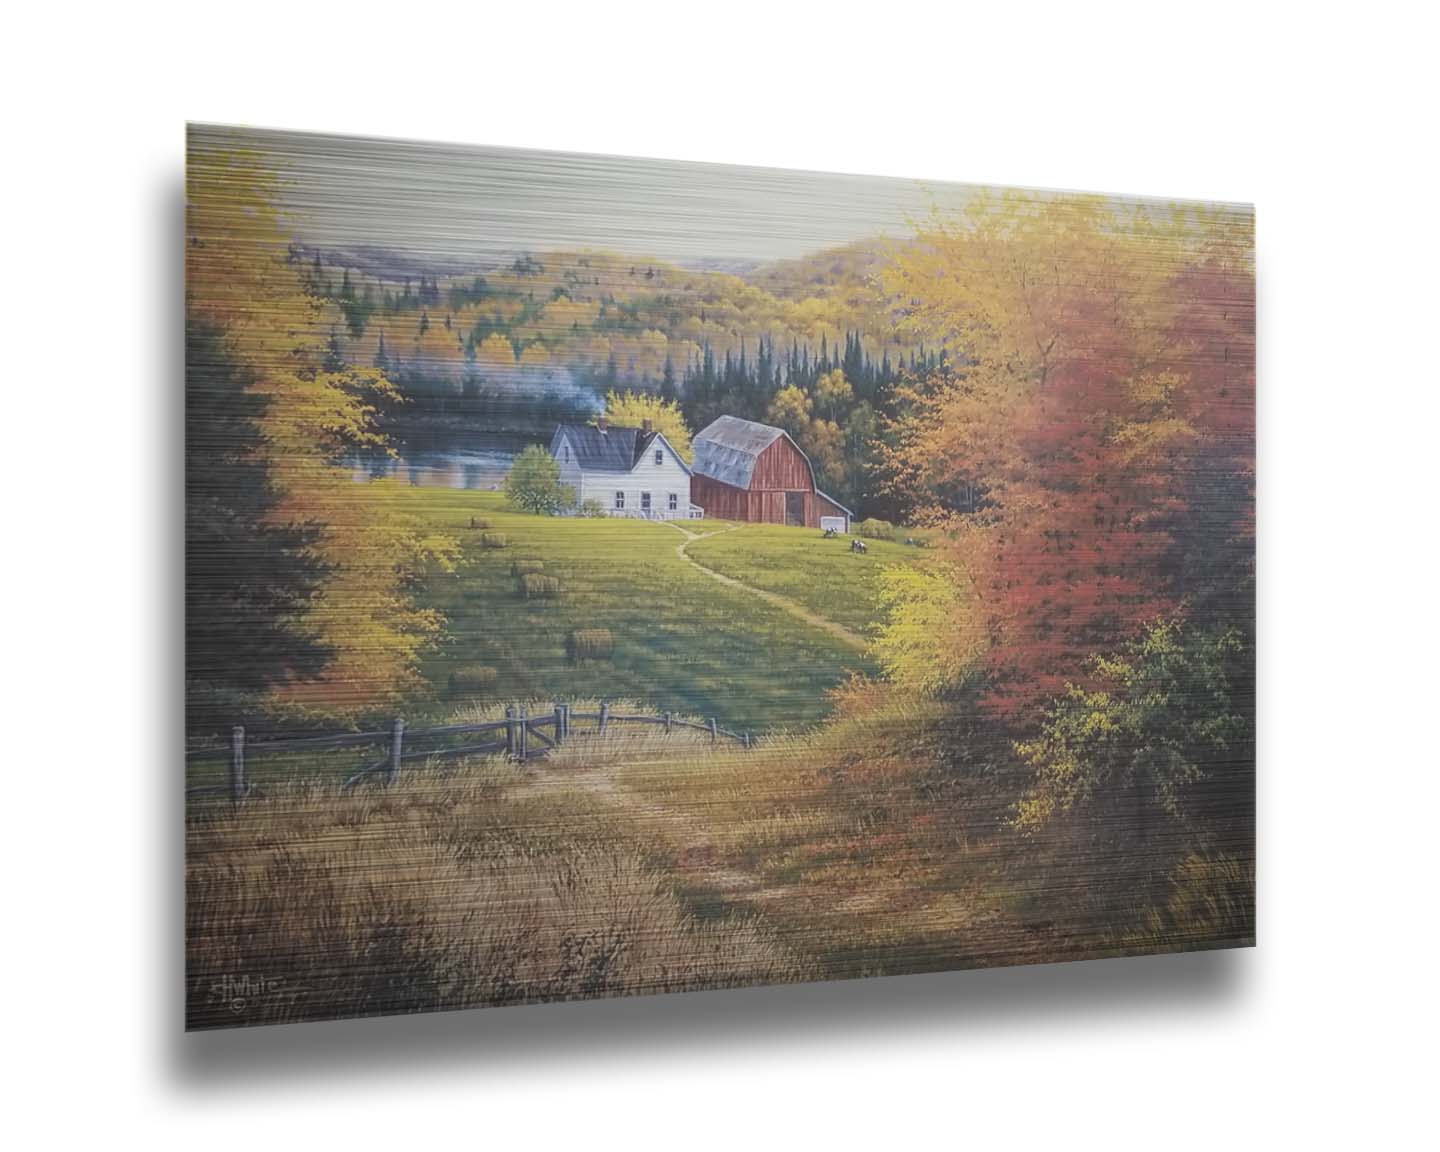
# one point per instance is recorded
(596, 316)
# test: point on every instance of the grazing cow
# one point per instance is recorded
(858, 546)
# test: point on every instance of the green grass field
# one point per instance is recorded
(823, 575)
(682, 641)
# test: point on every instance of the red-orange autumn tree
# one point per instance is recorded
(1100, 398)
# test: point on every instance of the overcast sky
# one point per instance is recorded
(464, 203)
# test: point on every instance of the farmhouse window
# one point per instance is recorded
(659, 456)
(619, 499)
(674, 502)
(567, 453)
(645, 501)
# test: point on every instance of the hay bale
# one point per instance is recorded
(590, 644)
(473, 678)
(479, 522)
(520, 568)
(493, 540)
(535, 587)
(876, 529)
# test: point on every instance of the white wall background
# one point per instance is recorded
(1323, 115)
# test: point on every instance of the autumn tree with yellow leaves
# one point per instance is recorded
(632, 409)
(363, 554)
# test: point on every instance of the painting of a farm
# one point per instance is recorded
(608, 576)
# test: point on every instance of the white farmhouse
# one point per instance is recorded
(631, 472)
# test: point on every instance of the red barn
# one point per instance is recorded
(749, 471)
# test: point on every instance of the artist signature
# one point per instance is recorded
(239, 992)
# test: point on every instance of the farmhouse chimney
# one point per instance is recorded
(647, 426)
(602, 423)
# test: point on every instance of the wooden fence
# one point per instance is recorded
(519, 736)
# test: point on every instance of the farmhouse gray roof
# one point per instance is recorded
(614, 450)
(727, 448)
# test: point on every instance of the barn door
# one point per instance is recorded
(795, 509)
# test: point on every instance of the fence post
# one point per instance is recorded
(237, 762)
(397, 740)
(668, 718)
(747, 741)
(524, 732)
(509, 730)
(714, 730)
(604, 714)
(559, 723)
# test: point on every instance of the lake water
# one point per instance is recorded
(478, 463)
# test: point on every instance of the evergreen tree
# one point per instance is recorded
(334, 353)
(667, 382)
(248, 580)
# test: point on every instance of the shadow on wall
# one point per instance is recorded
(704, 1022)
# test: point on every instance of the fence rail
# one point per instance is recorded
(513, 735)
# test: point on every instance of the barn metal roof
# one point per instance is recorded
(614, 450)
(727, 448)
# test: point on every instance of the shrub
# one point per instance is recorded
(479, 522)
(932, 636)
(493, 540)
(592, 510)
(590, 644)
(533, 484)
(535, 587)
(876, 529)
(1156, 734)
(473, 678)
(526, 567)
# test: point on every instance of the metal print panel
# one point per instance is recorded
(611, 576)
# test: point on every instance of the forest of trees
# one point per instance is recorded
(536, 342)
(1094, 616)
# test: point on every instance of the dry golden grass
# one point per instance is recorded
(455, 888)
(844, 856)
(843, 840)
(636, 862)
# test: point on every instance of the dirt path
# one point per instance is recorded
(701, 861)
(784, 603)
(700, 857)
